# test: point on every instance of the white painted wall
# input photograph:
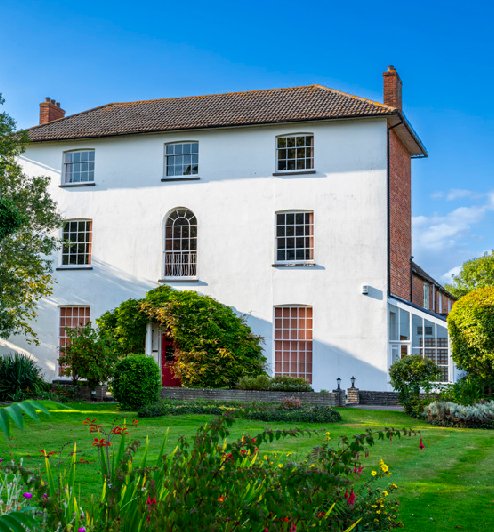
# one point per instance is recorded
(235, 202)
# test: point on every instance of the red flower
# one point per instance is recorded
(421, 445)
(285, 519)
(358, 469)
(293, 527)
(150, 501)
(135, 422)
(351, 498)
(89, 421)
(253, 440)
(47, 454)
(101, 443)
(243, 451)
(119, 430)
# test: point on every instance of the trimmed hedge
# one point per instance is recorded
(258, 411)
(471, 328)
(137, 382)
(274, 384)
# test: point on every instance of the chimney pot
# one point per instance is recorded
(392, 88)
(50, 110)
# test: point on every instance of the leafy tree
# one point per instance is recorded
(90, 355)
(471, 329)
(10, 218)
(475, 273)
(29, 218)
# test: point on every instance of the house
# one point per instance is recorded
(293, 206)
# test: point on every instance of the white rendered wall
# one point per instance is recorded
(235, 203)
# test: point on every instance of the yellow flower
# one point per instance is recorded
(328, 436)
(378, 511)
(266, 457)
(385, 493)
(280, 465)
(393, 486)
(374, 473)
(383, 466)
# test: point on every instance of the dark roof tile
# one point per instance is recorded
(312, 102)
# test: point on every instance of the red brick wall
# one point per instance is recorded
(50, 110)
(418, 295)
(400, 218)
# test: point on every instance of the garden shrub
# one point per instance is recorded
(471, 329)
(214, 347)
(90, 355)
(274, 384)
(137, 382)
(307, 414)
(127, 325)
(259, 411)
(454, 415)
(408, 376)
(20, 378)
(467, 390)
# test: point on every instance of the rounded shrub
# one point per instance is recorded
(136, 382)
(408, 376)
(471, 328)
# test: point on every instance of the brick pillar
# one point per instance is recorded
(353, 395)
(340, 397)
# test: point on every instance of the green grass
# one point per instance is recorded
(447, 486)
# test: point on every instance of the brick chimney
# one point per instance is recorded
(392, 88)
(50, 110)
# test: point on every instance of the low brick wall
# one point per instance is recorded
(377, 398)
(247, 396)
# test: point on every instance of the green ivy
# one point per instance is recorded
(214, 346)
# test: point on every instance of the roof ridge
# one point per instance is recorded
(348, 94)
(69, 116)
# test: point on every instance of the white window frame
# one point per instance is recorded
(308, 375)
(167, 252)
(296, 170)
(66, 183)
(90, 252)
(440, 302)
(299, 262)
(167, 177)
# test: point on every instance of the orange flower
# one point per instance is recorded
(221, 498)
(101, 443)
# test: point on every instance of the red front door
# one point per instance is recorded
(168, 361)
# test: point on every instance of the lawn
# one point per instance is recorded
(447, 486)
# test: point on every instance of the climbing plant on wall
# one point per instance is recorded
(214, 346)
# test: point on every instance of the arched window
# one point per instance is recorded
(180, 250)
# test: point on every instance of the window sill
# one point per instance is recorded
(70, 185)
(294, 172)
(194, 279)
(180, 178)
(60, 268)
(294, 265)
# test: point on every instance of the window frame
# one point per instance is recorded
(64, 337)
(309, 338)
(182, 177)
(295, 262)
(295, 171)
(164, 251)
(89, 265)
(426, 296)
(66, 183)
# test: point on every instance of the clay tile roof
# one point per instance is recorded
(312, 102)
(417, 270)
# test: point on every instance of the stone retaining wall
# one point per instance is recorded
(247, 396)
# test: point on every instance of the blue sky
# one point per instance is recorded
(89, 53)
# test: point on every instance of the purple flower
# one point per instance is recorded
(1, 460)
(81, 529)
(27, 495)
(45, 496)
